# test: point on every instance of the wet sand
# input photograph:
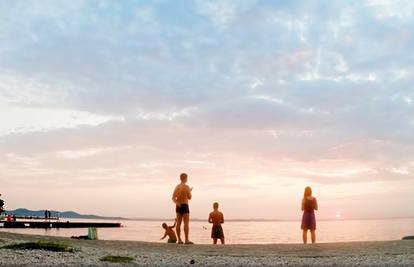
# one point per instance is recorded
(381, 253)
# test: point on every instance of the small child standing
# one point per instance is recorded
(169, 231)
(216, 218)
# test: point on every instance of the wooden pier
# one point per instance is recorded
(54, 224)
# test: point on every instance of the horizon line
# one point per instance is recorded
(232, 219)
(277, 220)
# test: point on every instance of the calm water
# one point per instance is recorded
(250, 232)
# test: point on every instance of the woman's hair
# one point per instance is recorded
(308, 192)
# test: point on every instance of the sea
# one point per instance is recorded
(246, 232)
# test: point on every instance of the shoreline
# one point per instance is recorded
(89, 253)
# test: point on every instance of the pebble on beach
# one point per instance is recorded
(89, 253)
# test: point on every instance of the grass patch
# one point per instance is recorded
(117, 259)
(42, 245)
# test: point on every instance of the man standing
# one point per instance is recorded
(181, 196)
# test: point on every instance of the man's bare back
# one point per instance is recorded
(182, 194)
(216, 217)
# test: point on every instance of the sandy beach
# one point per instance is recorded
(90, 253)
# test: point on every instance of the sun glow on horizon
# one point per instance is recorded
(338, 215)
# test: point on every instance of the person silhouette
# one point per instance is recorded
(169, 231)
(181, 196)
(309, 205)
(216, 218)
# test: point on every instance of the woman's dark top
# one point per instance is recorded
(309, 205)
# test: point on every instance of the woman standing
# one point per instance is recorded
(309, 205)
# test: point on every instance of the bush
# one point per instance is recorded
(1, 206)
(117, 259)
(42, 245)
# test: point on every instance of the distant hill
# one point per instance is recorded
(54, 213)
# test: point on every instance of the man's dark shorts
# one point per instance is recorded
(183, 209)
(217, 232)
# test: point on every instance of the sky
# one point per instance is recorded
(104, 103)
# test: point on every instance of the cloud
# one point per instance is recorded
(117, 93)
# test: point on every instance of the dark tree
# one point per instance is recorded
(1, 206)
